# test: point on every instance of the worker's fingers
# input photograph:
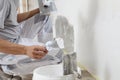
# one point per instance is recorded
(39, 53)
(36, 51)
(40, 48)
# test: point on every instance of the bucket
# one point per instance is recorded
(51, 72)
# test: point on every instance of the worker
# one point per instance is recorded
(9, 33)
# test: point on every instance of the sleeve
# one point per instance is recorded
(3, 13)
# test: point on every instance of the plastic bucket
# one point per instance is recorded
(51, 72)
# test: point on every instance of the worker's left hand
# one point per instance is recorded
(36, 52)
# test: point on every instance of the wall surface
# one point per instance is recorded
(97, 34)
(82, 15)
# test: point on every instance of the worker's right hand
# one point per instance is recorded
(36, 52)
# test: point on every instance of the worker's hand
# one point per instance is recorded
(36, 52)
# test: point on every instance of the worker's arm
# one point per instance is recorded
(36, 52)
(24, 16)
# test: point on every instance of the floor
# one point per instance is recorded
(86, 75)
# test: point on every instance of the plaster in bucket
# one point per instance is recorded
(51, 72)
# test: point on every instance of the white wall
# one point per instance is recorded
(108, 38)
(81, 14)
(97, 34)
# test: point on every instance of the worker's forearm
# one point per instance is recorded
(24, 16)
(11, 48)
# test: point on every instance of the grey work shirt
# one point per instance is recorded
(9, 29)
